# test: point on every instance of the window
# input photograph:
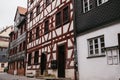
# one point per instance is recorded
(96, 46)
(29, 59)
(87, 5)
(99, 2)
(2, 65)
(31, 16)
(62, 17)
(24, 45)
(31, 1)
(46, 29)
(48, 2)
(21, 30)
(30, 36)
(25, 27)
(37, 10)
(36, 57)
(37, 32)
(65, 15)
(58, 19)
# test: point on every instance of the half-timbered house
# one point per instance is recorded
(50, 38)
(17, 45)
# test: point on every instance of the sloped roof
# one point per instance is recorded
(22, 10)
(4, 30)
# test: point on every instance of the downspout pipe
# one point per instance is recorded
(75, 42)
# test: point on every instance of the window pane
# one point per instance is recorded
(102, 39)
(46, 30)
(31, 16)
(96, 41)
(48, 2)
(36, 57)
(91, 52)
(37, 32)
(96, 51)
(37, 10)
(65, 15)
(100, 1)
(91, 47)
(58, 19)
(29, 59)
(30, 36)
(90, 42)
(96, 46)
(102, 44)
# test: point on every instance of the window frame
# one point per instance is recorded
(31, 16)
(102, 2)
(36, 57)
(68, 15)
(37, 10)
(30, 36)
(92, 46)
(60, 18)
(31, 1)
(29, 59)
(89, 7)
(46, 26)
(2, 65)
(37, 32)
(48, 2)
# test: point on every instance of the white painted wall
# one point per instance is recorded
(97, 68)
(2, 68)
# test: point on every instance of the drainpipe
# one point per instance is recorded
(75, 43)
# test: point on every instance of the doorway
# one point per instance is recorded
(61, 60)
(43, 63)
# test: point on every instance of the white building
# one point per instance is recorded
(98, 38)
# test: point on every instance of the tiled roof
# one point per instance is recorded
(22, 10)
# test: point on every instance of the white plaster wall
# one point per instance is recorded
(97, 68)
(2, 68)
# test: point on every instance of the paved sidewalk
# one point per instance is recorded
(5, 76)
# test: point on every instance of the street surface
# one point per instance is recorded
(5, 76)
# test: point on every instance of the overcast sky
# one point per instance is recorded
(8, 10)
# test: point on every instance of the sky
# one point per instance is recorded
(8, 10)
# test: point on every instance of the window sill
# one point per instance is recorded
(96, 56)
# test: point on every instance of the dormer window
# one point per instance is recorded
(99, 2)
(87, 5)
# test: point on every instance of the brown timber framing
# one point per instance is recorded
(44, 17)
(47, 42)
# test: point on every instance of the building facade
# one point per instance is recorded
(17, 45)
(97, 25)
(50, 38)
(4, 44)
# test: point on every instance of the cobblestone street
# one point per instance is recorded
(5, 76)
